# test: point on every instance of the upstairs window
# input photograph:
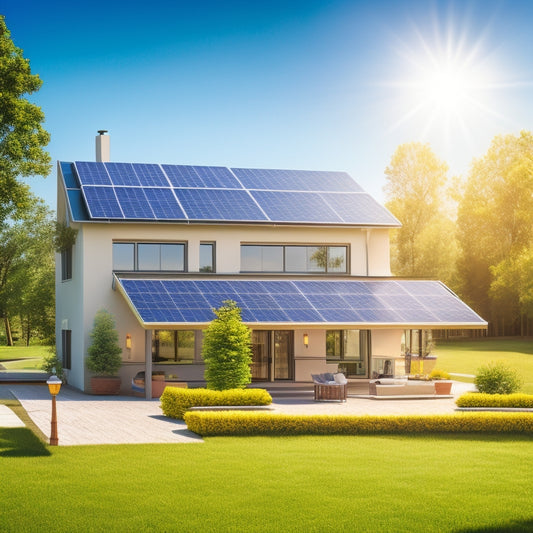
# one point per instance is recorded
(294, 259)
(66, 264)
(149, 257)
(207, 257)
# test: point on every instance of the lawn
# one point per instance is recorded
(23, 357)
(467, 356)
(364, 484)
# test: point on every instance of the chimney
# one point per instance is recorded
(102, 146)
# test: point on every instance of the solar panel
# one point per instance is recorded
(217, 177)
(295, 207)
(134, 203)
(71, 182)
(182, 176)
(92, 173)
(297, 301)
(164, 204)
(122, 174)
(150, 175)
(220, 204)
(358, 208)
(102, 202)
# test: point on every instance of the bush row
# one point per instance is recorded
(175, 401)
(238, 423)
(479, 399)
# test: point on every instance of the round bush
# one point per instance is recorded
(497, 378)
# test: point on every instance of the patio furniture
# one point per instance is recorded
(330, 387)
(400, 387)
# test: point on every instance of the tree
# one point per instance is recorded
(495, 224)
(226, 349)
(416, 195)
(27, 271)
(104, 352)
(22, 136)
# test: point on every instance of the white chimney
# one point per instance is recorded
(102, 146)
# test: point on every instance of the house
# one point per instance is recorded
(305, 254)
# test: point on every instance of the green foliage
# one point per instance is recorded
(479, 399)
(22, 136)
(438, 374)
(53, 365)
(175, 401)
(104, 352)
(497, 378)
(64, 237)
(226, 349)
(416, 195)
(239, 423)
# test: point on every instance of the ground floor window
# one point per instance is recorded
(272, 355)
(350, 349)
(416, 343)
(173, 346)
(66, 348)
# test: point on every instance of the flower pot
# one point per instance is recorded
(105, 385)
(443, 387)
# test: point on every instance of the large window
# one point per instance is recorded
(66, 347)
(149, 256)
(66, 264)
(207, 257)
(295, 259)
(172, 346)
(349, 349)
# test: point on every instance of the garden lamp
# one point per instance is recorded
(54, 384)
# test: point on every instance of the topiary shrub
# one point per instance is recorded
(478, 399)
(175, 401)
(238, 423)
(437, 374)
(226, 349)
(104, 352)
(497, 378)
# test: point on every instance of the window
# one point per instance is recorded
(207, 257)
(297, 259)
(172, 346)
(350, 349)
(66, 264)
(66, 348)
(149, 257)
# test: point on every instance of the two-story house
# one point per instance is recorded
(305, 254)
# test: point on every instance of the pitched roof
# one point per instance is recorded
(179, 193)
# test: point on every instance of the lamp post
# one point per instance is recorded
(54, 384)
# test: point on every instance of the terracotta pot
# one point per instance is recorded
(105, 385)
(443, 387)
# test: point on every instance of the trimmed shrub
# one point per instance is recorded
(175, 401)
(104, 352)
(437, 374)
(478, 399)
(226, 349)
(497, 378)
(239, 423)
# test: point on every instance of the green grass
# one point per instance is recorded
(467, 356)
(371, 483)
(26, 357)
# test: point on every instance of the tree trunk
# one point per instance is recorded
(9, 337)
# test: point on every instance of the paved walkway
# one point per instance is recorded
(86, 419)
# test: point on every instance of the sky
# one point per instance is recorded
(314, 85)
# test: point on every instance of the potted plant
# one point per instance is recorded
(104, 355)
(443, 385)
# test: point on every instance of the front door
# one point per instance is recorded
(272, 355)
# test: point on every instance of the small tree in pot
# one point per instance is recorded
(104, 355)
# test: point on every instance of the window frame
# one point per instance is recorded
(66, 264)
(66, 348)
(213, 257)
(136, 245)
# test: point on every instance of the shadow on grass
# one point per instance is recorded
(512, 527)
(21, 442)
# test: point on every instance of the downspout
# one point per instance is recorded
(148, 364)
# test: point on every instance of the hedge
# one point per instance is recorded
(239, 423)
(479, 399)
(175, 401)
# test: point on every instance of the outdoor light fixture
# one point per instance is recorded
(128, 341)
(306, 340)
(54, 384)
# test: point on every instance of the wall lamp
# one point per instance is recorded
(306, 340)
(128, 341)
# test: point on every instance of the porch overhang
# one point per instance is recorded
(312, 303)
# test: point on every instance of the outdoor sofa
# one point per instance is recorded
(330, 387)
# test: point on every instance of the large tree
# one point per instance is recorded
(22, 136)
(495, 228)
(416, 193)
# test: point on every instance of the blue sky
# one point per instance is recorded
(324, 85)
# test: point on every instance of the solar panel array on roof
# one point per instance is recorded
(130, 191)
(358, 302)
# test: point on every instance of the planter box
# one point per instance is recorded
(105, 385)
(443, 386)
